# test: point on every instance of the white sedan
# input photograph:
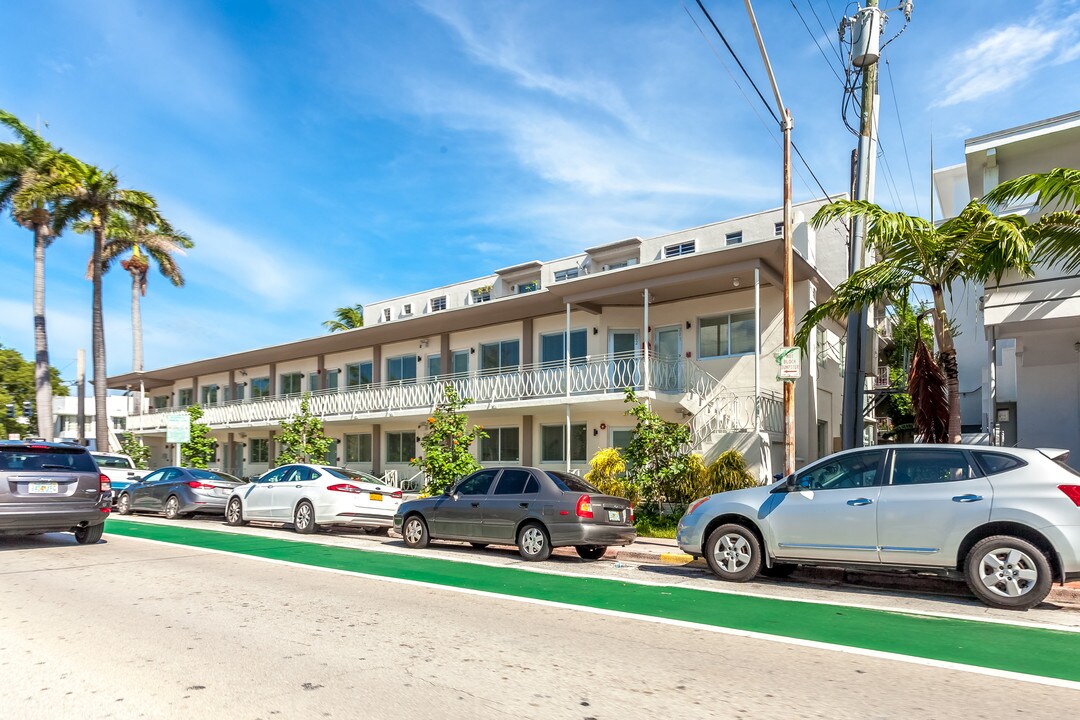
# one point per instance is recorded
(310, 496)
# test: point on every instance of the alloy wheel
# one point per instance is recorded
(732, 552)
(303, 517)
(232, 513)
(123, 505)
(1008, 572)
(172, 508)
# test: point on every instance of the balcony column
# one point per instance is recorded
(227, 458)
(376, 365)
(527, 342)
(757, 349)
(527, 440)
(376, 449)
(645, 348)
(230, 392)
(320, 370)
(273, 380)
(271, 449)
(194, 390)
(566, 380)
(444, 354)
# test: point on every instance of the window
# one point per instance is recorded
(313, 382)
(238, 391)
(922, 467)
(160, 402)
(553, 348)
(331, 454)
(357, 374)
(857, 470)
(260, 387)
(517, 482)
(386, 314)
(183, 397)
(260, 450)
(570, 483)
(620, 439)
(528, 287)
(438, 303)
(406, 309)
(480, 295)
(476, 484)
(290, 383)
(401, 369)
(733, 238)
(778, 229)
(400, 446)
(358, 448)
(499, 356)
(332, 379)
(568, 274)
(621, 263)
(459, 362)
(553, 443)
(822, 438)
(119, 423)
(725, 335)
(209, 394)
(434, 366)
(680, 249)
(501, 445)
(994, 463)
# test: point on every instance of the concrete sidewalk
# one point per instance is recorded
(663, 551)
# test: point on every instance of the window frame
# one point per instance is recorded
(263, 457)
(401, 360)
(359, 366)
(183, 393)
(298, 377)
(501, 368)
(253, 387)
(700, 322)
(778, 229)
(974, 469)
(498, 444)
(884, 465)
(733, 238)
(358, 457)
(567, 274)
(562, 441)
(438, 300)
(401, 436)
(680, 249)
(530, 482)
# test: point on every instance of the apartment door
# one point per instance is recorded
(668, 372)
(624, 347)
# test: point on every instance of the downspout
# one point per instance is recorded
(757, 349)
(645, 349)
(566, 360)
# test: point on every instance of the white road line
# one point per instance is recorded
(377, 546)
(1007, 674)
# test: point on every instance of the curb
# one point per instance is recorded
(668, 558)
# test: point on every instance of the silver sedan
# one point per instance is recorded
(176, 491)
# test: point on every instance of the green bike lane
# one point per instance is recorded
(1040, 652)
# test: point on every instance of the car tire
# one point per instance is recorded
(479, 546)
(414, 532)
(172, 508)
(89, 534)
(1008, 572)
(779, 570)
(733, 553)
(304, 518)
(123, 504)
(533, 542)
(234, 513)
(590, 552)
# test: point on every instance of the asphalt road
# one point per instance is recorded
(135, 629)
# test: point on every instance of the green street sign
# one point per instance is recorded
(177, 428)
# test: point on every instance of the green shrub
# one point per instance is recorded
(608, 475)
(727, 472)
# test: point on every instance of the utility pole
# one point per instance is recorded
(80, 394)
(789, 293)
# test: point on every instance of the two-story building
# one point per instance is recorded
(690, 319)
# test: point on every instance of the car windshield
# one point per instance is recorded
(107, 461)
(347, 474)
(570, 483)
(210, 475)
(30, 457)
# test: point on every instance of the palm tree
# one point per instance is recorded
(973, 246)
(22, 164)
(94, 195)
(346, 318)
(1058, 193)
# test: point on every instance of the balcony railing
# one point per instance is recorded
(591, 376)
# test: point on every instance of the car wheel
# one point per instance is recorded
(1008, 572)
(590, 552)
(479, 546)
(234, 513)
(415, 532)
(779, 570)
(90, 534)
(123, 504)
(733, 553)
(304, 518)
(172, 507)
(533, 543)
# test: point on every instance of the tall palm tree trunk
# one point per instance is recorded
(947, 361)
(136, 321)
(101, 417)
(42, 378)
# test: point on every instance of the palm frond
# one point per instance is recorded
(1057, 240)
(884, 281)
(929, 395)
(884, 229)
(26, 136)
(1058, 189)
(346, 318)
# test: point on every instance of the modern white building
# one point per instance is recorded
(66, 418)
(1019, 351)
(691, 320)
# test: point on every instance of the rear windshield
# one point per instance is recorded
(347, 474)
(113, 462)
(208, 475)
(570, 483)
(30, 458)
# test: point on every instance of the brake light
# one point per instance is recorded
(631, 514)
(1072, 491)
(38, 447)
(696, 504)
(195, 484)
(106, 483)
(345, 487)
(584, 507)
(396, 494)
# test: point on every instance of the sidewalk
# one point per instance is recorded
(662, 551)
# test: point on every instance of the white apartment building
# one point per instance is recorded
(690, 319)
(1019, 350)
(66, 418)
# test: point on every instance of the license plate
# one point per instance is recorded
(614, 515)
(43, 488)
(377, 497)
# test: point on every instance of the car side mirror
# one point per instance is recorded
(447, 491)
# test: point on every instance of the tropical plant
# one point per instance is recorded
(346, 318)
(17, 386)
(22, 166)
(608, 475)
(199, 451)
(159, 243)
(929, 396)
(133, 447)
(446, 454)
(727, 472)
(657, 457)
(302, 439)
(1058, 194)
(973, 246)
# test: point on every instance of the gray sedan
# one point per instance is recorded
(535, 509)
(176, 491)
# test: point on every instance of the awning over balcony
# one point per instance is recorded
(1042, 304)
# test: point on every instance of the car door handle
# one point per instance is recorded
(299, 486)
(858, 502)
(967, 498)
(476, 504)
(524, 505)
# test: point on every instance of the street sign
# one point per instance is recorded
(177, 428)
(789, 360)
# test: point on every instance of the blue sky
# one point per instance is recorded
(323, 154)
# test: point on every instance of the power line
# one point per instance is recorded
(823, 30)
(816, 43)
(907, 156)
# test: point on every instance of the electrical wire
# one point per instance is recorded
(903, 139)
(816, 44)
(823, 30)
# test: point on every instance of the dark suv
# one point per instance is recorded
(52, 487)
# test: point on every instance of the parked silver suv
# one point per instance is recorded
(1005, 519)
(52, 487)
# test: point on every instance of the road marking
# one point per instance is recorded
(1030, 655)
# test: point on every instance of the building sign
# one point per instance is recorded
(789, 360)
(177, 428)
